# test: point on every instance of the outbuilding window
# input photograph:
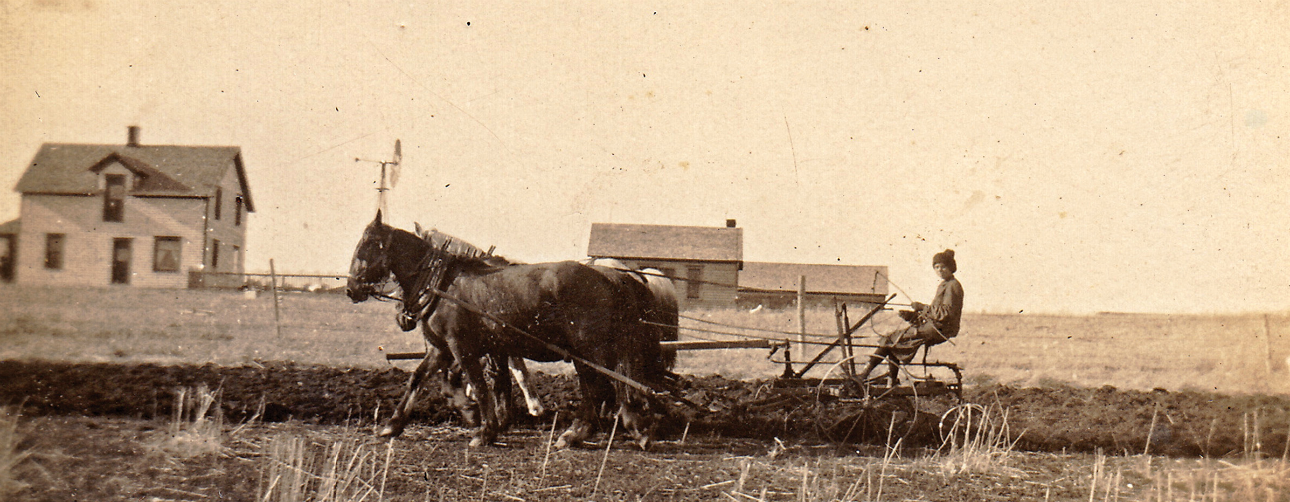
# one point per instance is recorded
(54, 251)
(694, 282)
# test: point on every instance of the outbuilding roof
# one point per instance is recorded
(820, 278)
(165, 170)
(666, 242)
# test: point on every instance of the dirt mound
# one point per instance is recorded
(1047, 419)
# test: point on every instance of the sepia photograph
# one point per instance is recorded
(744, 251)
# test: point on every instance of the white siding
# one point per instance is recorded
(225, 229)
(719, 286)
(87, 248)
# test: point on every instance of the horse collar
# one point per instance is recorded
(435, 273)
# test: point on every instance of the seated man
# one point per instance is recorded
(928, 324)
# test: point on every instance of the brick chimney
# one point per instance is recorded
(730, 223)
(132, 139)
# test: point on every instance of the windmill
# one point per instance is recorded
(390, 172)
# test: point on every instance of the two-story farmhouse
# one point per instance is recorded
(705, 261)
(142, 215)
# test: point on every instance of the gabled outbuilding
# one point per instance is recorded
(775, 285)
(704, 262)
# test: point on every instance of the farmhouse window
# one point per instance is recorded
(165, 255)
(219, 201)
(114, 198)
(215, 255)
(237, 211)
(54, 251)
(694, 282)
(7, 243)
(121, 257)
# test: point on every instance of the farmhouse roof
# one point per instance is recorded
(165, 170)
(835, 279)
(666, 242)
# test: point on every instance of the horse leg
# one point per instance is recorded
(432, 364)
(521, 373)
(459, 395)
(501, 391)
(635, 411)
(638, 425)
(592, 385)
(486, 433)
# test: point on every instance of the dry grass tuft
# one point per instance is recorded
(977, 441)
(197, 427)
(10, 457)
(343, 470)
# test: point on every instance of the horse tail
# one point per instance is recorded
(655, 300)
(664, 315)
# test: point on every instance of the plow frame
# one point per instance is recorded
(926, 379)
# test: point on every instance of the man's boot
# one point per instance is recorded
(863, 376)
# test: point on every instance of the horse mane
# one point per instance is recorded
(462, 250)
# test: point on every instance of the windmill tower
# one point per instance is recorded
(389, 175)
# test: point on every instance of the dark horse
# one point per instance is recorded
(544, 312)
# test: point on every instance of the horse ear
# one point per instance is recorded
(419, 231)
(378, 217)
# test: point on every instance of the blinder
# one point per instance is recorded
(371, 264)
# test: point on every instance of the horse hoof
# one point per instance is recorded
(477, 442)
(566, 440)
(389, 432)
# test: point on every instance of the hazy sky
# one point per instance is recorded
(1079, 157)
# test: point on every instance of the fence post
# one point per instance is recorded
(1267, 346)
(801, 313)
(273, 281)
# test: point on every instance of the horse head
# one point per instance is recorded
(371, 264)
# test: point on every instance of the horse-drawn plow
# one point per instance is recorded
(915, 398)
(621, 330)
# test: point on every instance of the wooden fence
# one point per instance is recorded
(262, 282)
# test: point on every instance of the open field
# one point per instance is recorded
(1222, 353)
(1217, 353)
(96, 372)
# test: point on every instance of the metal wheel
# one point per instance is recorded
(965, 425)
(873, 421)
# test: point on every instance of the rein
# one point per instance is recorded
(383, 296)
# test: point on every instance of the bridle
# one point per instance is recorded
(380, 262)
(433, 274)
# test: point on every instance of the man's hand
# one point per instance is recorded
(918, 306)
